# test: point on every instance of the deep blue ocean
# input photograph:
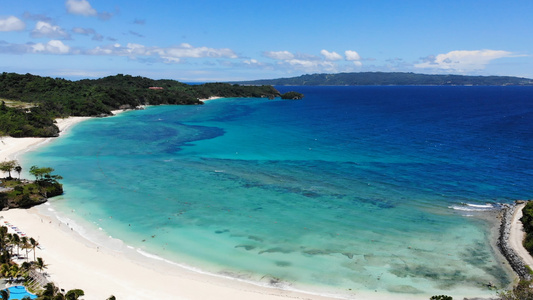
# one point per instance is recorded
(350, 190)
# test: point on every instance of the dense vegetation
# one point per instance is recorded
(18, 247)
(17, 193)
(292, 96)
(527, 221)
(50, 98)
(395, 78)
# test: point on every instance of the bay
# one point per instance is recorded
(387, 189)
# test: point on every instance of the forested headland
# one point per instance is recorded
(392, 78)
(29, 103)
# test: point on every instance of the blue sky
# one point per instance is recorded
(237, 40)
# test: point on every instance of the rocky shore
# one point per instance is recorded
(508, 252)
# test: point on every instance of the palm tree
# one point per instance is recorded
(25, 267)
(8, 166)
(18, 169)
(14, 271)
(50, 291)
(39, 263)
(4, 239)
(4, 270)
(15, 241)
(74, 294)
(34, 244)
(24, 244)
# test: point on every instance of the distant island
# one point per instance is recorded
(392, 78)
(29, 103)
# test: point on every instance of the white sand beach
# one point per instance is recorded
(517, 235)
(210, 98)
(11, 147)
(76, 263)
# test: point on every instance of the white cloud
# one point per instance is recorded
(80, 7)
(11, 23)
(463, 60)
(352, 55)
(281, 55)
(327, 62)
(251, 61)
(44, 29)
(331, 55)
(52, 47)
(169, 54)
(310, 65)
(186, 50)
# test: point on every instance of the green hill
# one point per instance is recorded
(29, 104)
(396, 78)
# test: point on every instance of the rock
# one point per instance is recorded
(503, 243)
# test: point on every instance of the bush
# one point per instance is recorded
(522, 291)
(527, 221)
(441, 297)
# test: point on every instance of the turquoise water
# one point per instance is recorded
(19, 292)
(364, 189)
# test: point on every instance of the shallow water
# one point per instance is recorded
(353, 188)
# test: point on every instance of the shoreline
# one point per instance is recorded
(76, 262)
(511, 238)
(211, 98)
(11, 148)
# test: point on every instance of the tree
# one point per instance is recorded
(14, 271)
(15, 241)
(18, 169)
(4, 270)
(25, 245)
(40, 173)
(292, 95)
(34, 244)
(39, 263)
(8, 166)
(112, 298)
(50, 291)
(74, 294)
(441, 297)
(4, 293)
(48, 183)
(25, 268)
(4, 238)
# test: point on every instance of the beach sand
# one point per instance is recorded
(517, 235)
(210, 98)
(77, 263)
(11, 147)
